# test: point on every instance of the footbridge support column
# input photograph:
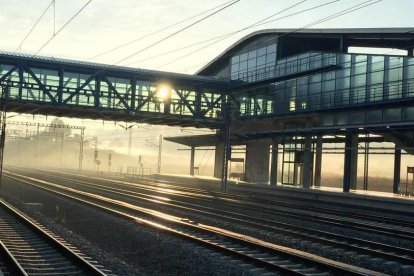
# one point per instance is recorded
(192, 157)
(307, 162)
(318, 161)
(257, 162)
(274, 163)
(218, 160)
(350, 162)
(397, 171)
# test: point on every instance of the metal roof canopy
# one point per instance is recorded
(361, 37)
(214, 139)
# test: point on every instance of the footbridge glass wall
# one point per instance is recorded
(356, 81)
(98, 88)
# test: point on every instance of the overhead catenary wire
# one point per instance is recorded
(177, 32)
(224, 36)
(157, 31)
(34, 25)
(327, 18)
(63, 27)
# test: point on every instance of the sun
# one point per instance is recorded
(163, 91)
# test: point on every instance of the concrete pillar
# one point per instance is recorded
(351, 162)
(307, 162)
(354, 161)
(318, 161)
(397, 170)
(192, 160)
(218, 160)
(273, 165)
(257, 162)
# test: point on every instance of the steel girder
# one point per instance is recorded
(87, 90)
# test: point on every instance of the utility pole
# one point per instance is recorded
(130, 141)
(159, 153)
(37, 145)
(227, 146)
(81, 148)
(61, 148)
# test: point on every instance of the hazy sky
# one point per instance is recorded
(105, 24)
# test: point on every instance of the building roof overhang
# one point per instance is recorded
(362, 37)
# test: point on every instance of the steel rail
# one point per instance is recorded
(252, 197)
(375, 249)
(33, 231)
(12, 265)
(340, 221)
(261, 253)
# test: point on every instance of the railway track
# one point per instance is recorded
(396, 228)
(360, 246)
(265, 257)
(27, 249)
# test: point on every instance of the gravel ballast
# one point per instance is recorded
(125, 248)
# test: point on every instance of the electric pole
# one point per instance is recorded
(159, 154)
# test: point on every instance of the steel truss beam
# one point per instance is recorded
(107, 92)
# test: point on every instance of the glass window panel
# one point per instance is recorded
(243, 57)
(358, 95)
(376, 92)
(373, 116)
(356, 117)
(342, 83)
(328, 85)
(261, 51)
(235, 59)
(251, 63)
(271, 48)
(302, 80)
(359, 80)
(377, 63)
(271, 58)
(409, 113)
(327, 120)
(392, 114)
(360, 64)
(252, 54)
(395, 74)
(341, 118)
(410, 68)
(261, 60)
(234, 68)
(345, 60)
(328, 75)
(243, 66)
(315, 78)
(376, 77)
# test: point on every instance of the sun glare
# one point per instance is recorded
(163, 92)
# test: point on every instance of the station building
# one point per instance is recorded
(298, 90)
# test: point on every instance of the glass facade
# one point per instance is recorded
(357, 80)
(259, 60)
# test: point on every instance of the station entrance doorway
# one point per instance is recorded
(292, 162)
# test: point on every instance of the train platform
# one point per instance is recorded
(365, 199)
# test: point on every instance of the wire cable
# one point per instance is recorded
(177, 32)
(156, 31)
(235, 32)
(34, 25)
(64, 25)
(327, 18)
